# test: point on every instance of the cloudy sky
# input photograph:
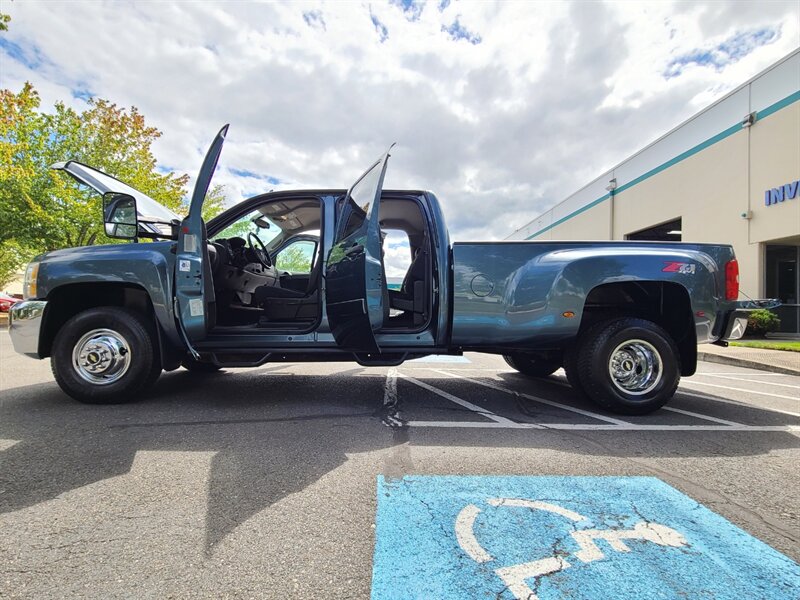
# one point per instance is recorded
(501, 109)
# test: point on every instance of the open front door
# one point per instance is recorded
(355, 290)
(194, 289)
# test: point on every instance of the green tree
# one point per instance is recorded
(12, 257)
(295, 259)
(213, 204)
(41, 209)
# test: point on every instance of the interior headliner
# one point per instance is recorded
(293, 216)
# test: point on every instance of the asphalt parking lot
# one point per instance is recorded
(261, 482)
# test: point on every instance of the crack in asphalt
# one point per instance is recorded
(718, 497)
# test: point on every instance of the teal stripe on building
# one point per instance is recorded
(761, 115)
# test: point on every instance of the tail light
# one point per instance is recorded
(732, 280)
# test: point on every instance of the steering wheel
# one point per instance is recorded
(261, 253)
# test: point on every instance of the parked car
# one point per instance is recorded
(622, 318)
(6, 301)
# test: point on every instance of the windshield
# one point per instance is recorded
(252, 222)
(276, 221)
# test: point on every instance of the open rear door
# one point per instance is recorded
(194, 289)
(355, 290)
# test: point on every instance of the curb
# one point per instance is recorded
(741, 362)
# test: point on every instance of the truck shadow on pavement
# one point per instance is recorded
(274, 433)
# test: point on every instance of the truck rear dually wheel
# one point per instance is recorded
(629, 366)
(532, 367)
(105, 355)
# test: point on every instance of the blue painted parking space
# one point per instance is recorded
(548, 538)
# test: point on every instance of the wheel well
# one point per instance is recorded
(664, 303)
(66, 301)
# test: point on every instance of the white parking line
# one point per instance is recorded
(498, 422)
(759, 374)
(456, 368)
(634, 427)
(689, 413)
(692, 394)
(473, 407)
(473, 425)
(500, 388)
(391, 416)
(602, 427)
(390, 390)
(725, 387)
(788, 385)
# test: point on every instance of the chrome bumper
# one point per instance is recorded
(24, 323)
(737, 323)
(735, 320)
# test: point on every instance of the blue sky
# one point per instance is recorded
(723, 53)
(502, 109)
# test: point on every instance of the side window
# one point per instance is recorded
(360, 199)
(396, 256)
(297, 257)
(354, 221)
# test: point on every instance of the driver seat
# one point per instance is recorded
(284, 304)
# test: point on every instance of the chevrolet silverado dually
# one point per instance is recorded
(622, 318)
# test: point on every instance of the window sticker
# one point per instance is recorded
(190, 243)
(196, 307)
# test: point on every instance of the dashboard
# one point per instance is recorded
(236, 267)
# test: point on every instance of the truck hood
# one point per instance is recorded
(92, 253)
(149, 211)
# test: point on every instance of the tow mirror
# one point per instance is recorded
(119, 215)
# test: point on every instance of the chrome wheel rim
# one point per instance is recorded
(101, 356)
(635, 367)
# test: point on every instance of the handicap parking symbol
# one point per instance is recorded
(516, 576)
(539, 538)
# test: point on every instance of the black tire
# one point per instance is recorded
(133, 369)
(648, 365)
(530, 366)
(195, 366)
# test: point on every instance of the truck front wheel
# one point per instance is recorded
(629, 366)
(105, 355)
(531, 367)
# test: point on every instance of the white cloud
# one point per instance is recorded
(396, 254)
(500, 129)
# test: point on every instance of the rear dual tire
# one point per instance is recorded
(531, 367)
(629, 366)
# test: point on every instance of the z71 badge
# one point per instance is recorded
(679, 267)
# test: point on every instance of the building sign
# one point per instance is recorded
(787, 191)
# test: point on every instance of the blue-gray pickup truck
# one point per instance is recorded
(300, 276)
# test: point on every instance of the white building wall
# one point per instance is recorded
(708, 171)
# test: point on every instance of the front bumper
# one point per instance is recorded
(24, 324)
